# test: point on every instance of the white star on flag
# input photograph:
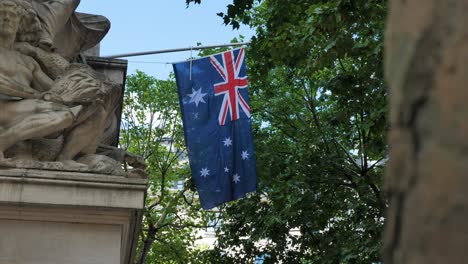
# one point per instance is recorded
(226, 169)
(245, 155)
(236, 178)
(197, 96)
(205, 172)
(227, 142)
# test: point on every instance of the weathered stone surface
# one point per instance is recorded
(426, 69)
(60, 201)
(102, 164)
(64, 30)
(53, 110)
(68, 217)
(33, 242)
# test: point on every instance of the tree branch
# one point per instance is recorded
(375, 164)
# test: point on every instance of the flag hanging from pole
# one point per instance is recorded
(216, 117)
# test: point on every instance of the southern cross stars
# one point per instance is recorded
(236, 178)
(245, 155)
(197, 96)
(205, 172)
(226, 169)
(227, 142)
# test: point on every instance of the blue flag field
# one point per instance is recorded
(216, 117)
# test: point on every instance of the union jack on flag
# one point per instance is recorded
(229, 88)
(217, 125)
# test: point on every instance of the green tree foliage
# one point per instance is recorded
(151, 128)
(319, 104)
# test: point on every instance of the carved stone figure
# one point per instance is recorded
(22, 78)
(53, 112)
(77, 84)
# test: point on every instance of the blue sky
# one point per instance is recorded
(144, 25)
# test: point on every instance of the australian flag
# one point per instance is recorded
(217, 125)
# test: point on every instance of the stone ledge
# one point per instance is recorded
(107, 62)
(53, 188)
(71, 176)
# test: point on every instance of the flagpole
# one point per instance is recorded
(134, 54)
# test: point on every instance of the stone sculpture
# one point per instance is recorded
(53, 111)
(53, 15)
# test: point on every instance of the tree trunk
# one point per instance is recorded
(427, 178)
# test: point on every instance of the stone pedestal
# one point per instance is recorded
(49, 217)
